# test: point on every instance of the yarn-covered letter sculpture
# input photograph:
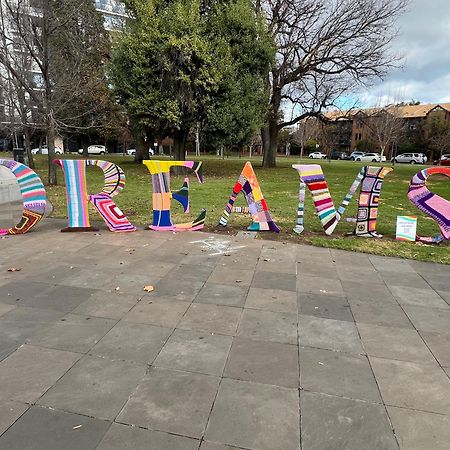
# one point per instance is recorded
(33, 195)
(162, 195)
(78, 197)
(311, 175)
(433, 205)
(257, 206)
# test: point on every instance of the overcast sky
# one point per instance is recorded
(424, 41)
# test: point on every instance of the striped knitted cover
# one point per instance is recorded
(257, 206)
(78, 197)
(311, 175)
(431, 204)
(162, 195)
(33, 195)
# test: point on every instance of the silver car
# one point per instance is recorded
(410, 158)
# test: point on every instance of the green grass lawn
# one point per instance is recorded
(280, 188)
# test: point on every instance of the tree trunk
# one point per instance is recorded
(51, 134)
(85, 145)
(270, 138)
(141, 148)
(28, 148)
(179, 145)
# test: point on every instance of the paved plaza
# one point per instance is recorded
(243, 343)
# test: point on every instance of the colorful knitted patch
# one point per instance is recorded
(257, 205)
(431, 204)
(162, 195)
(311, 175)
(78, 197)
(33, 195)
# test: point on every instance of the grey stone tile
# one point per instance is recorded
(228, 275)
(439, 344)
(10, 411)
(190, 272)
(41, 428)
(447, 371)
(172, 401)
(362, 274)
(93, 279)
(176, 289)
(30, 371)
(109, 305)
(222, 294)
(157, 311)
(268, 326)
(211, 318)
(20, 293)
(336, 423)
(392, 278)
(195, 351)
(274, 280)
(438, 281)
(5, 308)
(72, 333)
(253, 415)
(207, 445)
(428, 319)
(368, 292)
(275, 300)
(95, 387)
(412, 385)
(418, 430)
(328, 334)
(277, 264)
(386, 264)
(125, 437)
(325, 306)
(317, 269)
(379, 314)
(319, 285)
(131, 283)
(407, 295)
(132, 342)
(339, 374)
(394, 343)
(263, 362)
(445, 295)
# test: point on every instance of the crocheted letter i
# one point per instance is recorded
(257, 206)
(433, 205)
(78, 197)
(33, 195)
(162, 195)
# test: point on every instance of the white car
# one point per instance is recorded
(369, 157)
(132, 151)
(44, 151)
(317, 155)
(94, 150)
(410, 158)
(354, 155)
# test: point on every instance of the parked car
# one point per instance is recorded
(410, 158)
(132, 151)
(366, 157)
(44, 151)
(354, 155)
(317, 155)
(95, 150)
(337, 154)
(445, 160)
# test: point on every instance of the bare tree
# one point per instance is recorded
(325, 48)
(439, 138)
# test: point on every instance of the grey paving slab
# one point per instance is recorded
(30, 371)
(407, 295)
(132, 342)
(228, 275)
(21, 294)
(438, 281)
(394, 343)
(172, 401)
(412, 385)
(337, 423)
(44, 429)
(190, 272)
(368, 292)
(222, 294)
(10, 411)
(275, 300)
(274, 280)
(439, 344)
(5, 308)
(195, 351)
(429, 319)
(366, 275)
(256, 416)
(379, 314)
(277, 264)
(338, 374)
(157, 311)
(207, 445)
(72, 333)
(392, 278)
(418, 430)
(328, 334)
(109, 305)
(95, 386)
(317, 269)
(177, 289)
(268, 326)
(211, 318)
(386, 264)
(445, 295)
(89, 278)
(325, 306)
(125, 437)
(307, 284)
(263, 362)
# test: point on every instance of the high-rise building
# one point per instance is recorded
(114, 13)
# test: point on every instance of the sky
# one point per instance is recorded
(424, 42)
